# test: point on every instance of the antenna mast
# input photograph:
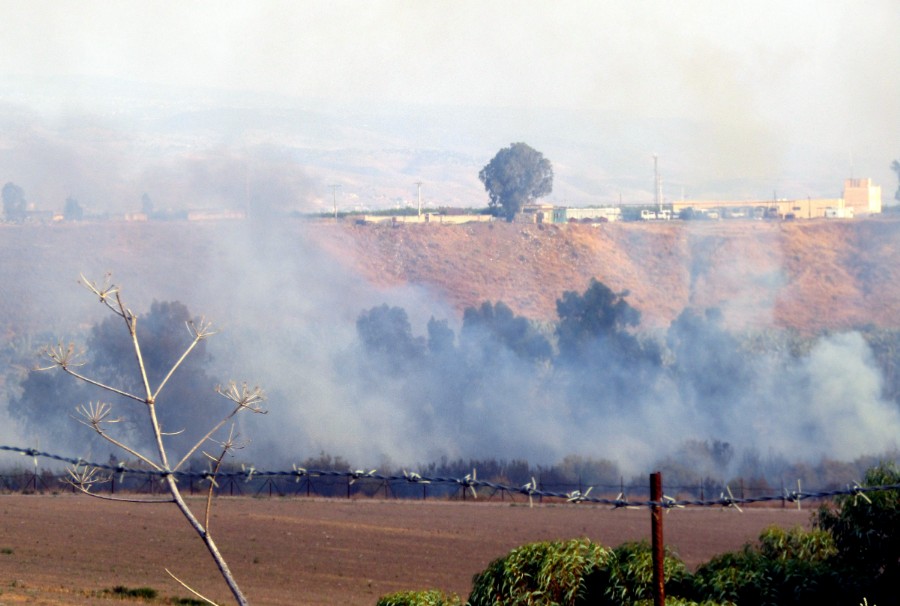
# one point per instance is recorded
(657, 183)
(334, 188)
(418, 185)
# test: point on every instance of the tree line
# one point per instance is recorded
(501, 374)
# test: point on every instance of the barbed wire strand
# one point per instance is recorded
(468, 483)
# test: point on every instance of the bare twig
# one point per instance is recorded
(200, 331)
(227, 445)
(105, 292)
(109, 388)
(61, 356)
(131, 322)
(104, 497)
(95, 415)
(244, 396)
(191, 589)
(98, 415)
(244, 399)
(67, 358)
(84, 479)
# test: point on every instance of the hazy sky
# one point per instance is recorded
(655, 57)
(820, 74)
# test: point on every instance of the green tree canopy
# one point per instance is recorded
(599, 313)
(517, 175)
(499, 324)
(866, 531)
(386, 330)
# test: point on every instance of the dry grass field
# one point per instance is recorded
(67, 549)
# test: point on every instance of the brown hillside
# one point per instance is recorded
(808, 275)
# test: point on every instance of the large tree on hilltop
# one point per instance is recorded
(517, 175)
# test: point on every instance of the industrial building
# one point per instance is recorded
(860, 198)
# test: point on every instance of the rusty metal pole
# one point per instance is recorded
(656, 495)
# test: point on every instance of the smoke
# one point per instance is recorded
(292, 308)
(286, 302)
(108, 164)
(843, 395)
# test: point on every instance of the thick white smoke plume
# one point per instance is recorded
(288, 309)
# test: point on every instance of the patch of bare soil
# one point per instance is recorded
(65, 549)
(807, 275)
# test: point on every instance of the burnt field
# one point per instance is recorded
(67, 549)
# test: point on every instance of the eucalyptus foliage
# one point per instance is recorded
(866, 531)
(540, 573)
(514, 177)
(573, 572)
(785, 567)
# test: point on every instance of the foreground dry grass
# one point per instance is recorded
(61, 549)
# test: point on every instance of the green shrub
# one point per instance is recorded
(572, 573)
(431, 597)
(628, 578)
(539, 573)
(786, 567)
(866, 531)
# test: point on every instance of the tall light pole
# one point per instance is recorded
(657, 183)
(334, 188)
(419, 195)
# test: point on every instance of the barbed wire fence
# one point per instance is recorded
(298, 481)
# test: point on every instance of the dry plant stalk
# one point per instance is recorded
(98, 416)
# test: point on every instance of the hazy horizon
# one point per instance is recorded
(201, 105)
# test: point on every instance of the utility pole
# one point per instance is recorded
(418, 185)
(657, 184)
(334, 188)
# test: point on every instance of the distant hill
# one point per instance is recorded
(193, 149)
(807, 275)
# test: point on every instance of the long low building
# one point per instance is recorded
(608, 213)
(860, 198)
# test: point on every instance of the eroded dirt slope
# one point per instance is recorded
(809, 275)
(806, 275)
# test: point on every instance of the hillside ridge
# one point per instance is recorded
(807, 275)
